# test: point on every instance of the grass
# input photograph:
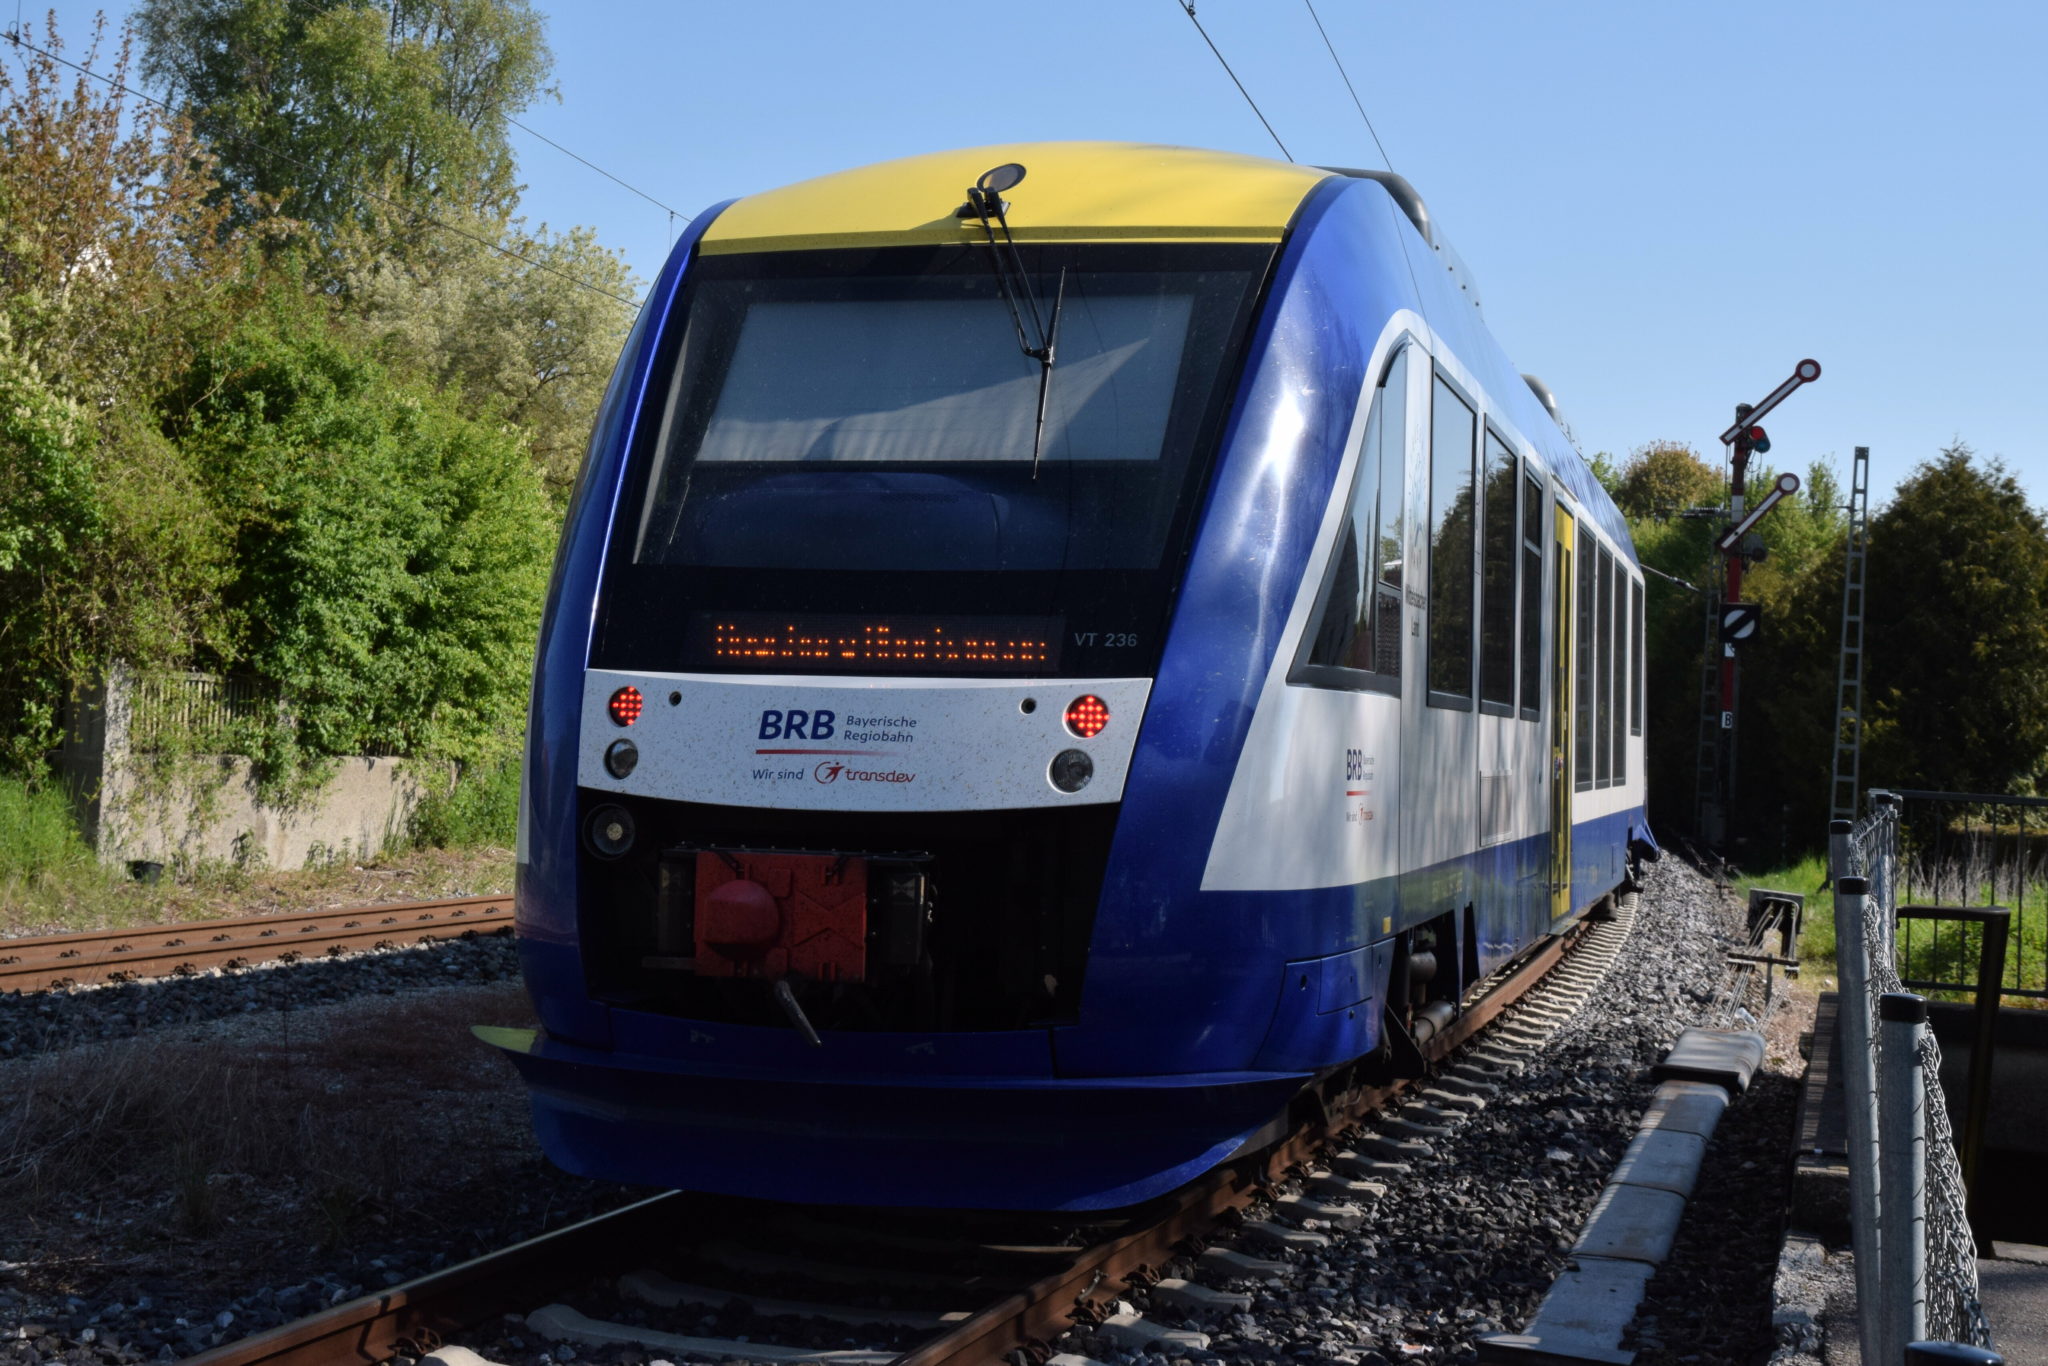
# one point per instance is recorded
(324, 1123)
(482, 808)
(1817, 931)
(38, 834)
(51, 882)
(1946, 952)
(94, 898)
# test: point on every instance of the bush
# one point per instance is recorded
(390, 555)
(482, 809)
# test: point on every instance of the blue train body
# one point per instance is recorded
(1299, 835)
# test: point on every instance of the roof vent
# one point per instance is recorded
(1404, 195)
(1549, 401)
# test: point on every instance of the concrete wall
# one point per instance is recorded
(205, 809)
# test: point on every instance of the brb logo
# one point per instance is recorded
(798, 725)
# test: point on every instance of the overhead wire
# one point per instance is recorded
(672, 211)
(1189, 6)
(419, 215)
(1358, 103)
(1414, 280)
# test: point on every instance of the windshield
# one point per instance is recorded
(870, 414)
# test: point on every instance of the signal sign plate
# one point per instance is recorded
(1739, 620)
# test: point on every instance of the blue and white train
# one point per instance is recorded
(1037, 677)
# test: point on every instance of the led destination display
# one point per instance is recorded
(853, 643)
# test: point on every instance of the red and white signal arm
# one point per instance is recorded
(1739, 620)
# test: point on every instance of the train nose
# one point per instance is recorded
(741, 919)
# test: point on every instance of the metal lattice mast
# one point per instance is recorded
(1849, 674)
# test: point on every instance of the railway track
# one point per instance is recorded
(945, 1290)
(98, 957)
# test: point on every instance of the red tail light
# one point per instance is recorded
(626, 704)
(1086, 716)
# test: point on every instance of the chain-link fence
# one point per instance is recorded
(1953, 1311)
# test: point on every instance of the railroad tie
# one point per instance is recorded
(1186, 1297)
(1227, 1264)
(1364, 1167)
(1137, 1332)
(1297, 1208)
(560, 1323)
(1330, 1185)
(1279, 1235)
(1469, 1097)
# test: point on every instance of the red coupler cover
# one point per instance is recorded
(820, 924)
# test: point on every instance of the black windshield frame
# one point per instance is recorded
(1110, 622)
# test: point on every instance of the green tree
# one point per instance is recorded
(1787, 670)
(112, 262)
(354, 116)
(1662, 479)
(111, 251)
(529, 334)
(1958, 631)
(390, 554)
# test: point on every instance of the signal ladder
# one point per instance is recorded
(1849, 673)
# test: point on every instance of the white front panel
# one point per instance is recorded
(1318, 807)
(857, 744)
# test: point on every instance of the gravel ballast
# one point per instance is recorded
(37, 1022)
(1468, 1241)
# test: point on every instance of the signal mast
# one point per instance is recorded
(1736, 620)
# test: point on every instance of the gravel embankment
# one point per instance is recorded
(37, 1022)
(184, 1161)
(1468, 1243)
(1463, 1244)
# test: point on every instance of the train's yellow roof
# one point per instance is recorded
(1072, 191)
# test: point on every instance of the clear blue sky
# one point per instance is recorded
(1665, 206)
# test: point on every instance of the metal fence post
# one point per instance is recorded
(1990, 979)
(1859, 1093)
(1902, 1147)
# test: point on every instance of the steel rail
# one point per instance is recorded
(415, 1317)
(97, 956)
(1041, 1312)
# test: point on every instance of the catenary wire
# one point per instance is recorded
(1359, 104)
(673, 213)
(20, 42)
(1189, 6)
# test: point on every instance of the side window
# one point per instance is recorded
(1582, 685)
(1635, 657)
(1498, 555)
(1453, 428)
(1603, 664)
(1357, 640)
(1532, 597)
(1618, 630)
(1387, 631)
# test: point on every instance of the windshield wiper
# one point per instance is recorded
(985, 202)
(1045, 359)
